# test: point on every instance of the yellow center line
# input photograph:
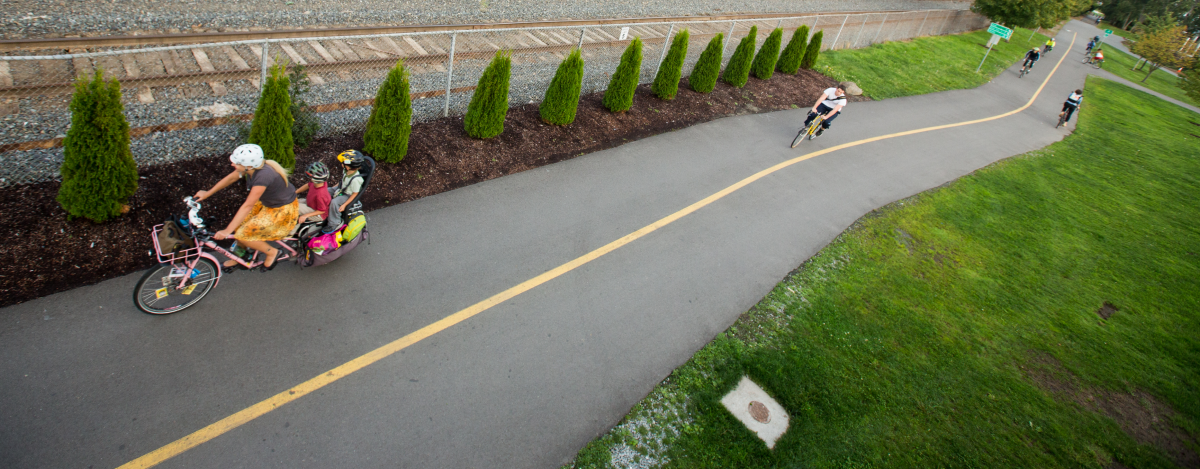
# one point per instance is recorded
(231, 422)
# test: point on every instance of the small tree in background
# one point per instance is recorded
(708, 67)
(272, 126)
(738, 70)
(789, 60)
(307, 124)
(562, 97)
(813, 50)
(390, 123)
(98, 171)
(1161, 48)
(619, 95)
(666, 84)
(764, 62)
(489, 104)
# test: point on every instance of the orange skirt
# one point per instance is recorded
(269, 224)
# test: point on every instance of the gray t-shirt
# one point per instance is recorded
(279, 191)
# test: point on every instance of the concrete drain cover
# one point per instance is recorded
(757, 411)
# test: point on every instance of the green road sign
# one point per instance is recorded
(1107, 32)
(1000, 31)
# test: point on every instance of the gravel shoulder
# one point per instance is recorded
(45, 18)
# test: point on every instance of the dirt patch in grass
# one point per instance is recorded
(1139, 414)
(45, 253)
(1106, 310)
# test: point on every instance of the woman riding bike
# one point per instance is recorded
(269, 211)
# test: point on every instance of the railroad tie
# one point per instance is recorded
(239, 62)
(218, 88)
(297, 58)
(144, 93)
(83, 65)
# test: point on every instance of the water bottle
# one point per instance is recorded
(237, 249)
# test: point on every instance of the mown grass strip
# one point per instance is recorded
(1120, 64)
(919, 337)
(926, 65)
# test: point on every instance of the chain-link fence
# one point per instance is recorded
(193, 100)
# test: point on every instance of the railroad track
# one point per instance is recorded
(240, 58)
(198, 67)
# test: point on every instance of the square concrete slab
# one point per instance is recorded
(757, 411)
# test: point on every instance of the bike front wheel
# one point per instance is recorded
(159, 292)
(799, 137)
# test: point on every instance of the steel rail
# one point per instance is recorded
(7, 45)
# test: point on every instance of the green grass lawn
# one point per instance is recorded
(925, 65)
(1120, 63)
(918, 338)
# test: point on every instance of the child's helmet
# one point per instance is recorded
(318, 171)
(351, 158)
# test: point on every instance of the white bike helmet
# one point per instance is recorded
(248, 155)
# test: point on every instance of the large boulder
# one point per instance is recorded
(852, 89)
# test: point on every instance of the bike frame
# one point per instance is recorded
(189, 258)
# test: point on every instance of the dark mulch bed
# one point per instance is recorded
(45, 253)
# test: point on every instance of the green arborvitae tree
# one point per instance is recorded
(98, 172)
(789, 60)
(666, 84)
(619, 95)
(272, 126)
(738, 69)
(390, 123)
(708, 67)
(562, 97)
(489, 104)
(813, 50)
(306, 124)
(764, 62)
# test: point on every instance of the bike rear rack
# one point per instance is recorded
(176, 256)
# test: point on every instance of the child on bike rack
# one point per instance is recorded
(830, 105)
(317, 198)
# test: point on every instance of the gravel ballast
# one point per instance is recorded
(45, 18)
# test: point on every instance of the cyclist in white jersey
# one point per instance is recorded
(830, 104)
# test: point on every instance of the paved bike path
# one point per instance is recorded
(91, 382)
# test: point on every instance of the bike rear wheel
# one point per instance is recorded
(1062, 119)
(158, 291)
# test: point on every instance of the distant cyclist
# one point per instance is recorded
(1090, 45)
(1032, 57)
(1072, 104)
(1049, 46)
(830, 105)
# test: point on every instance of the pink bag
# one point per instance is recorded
(323, 243)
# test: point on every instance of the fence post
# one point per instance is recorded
(779, 24)
(922, 24)
(449, 74)
(582, 32)
(263, 61)
(666, 44)
(839, 33)
(1039, 28)
(884, 20)
(727, 39)
(945, 22)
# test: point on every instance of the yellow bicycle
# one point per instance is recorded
(809, 131)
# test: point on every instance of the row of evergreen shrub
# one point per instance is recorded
(99, 173)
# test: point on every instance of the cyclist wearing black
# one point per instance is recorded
(1072, 104)
(830, 105)
(1032, 57)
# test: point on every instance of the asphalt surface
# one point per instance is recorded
(91, 382)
